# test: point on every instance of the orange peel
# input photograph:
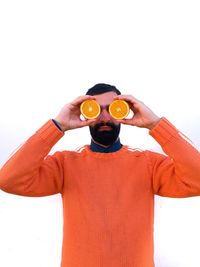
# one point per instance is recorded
(119, 109)
(90, 109)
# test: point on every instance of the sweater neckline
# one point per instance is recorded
(98, 148)
(105, 155)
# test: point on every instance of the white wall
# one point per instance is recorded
(53, 51)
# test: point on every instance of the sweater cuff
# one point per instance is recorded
(164, 131)
(50, 133)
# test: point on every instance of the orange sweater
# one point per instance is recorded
(108, 198)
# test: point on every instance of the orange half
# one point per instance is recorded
(90, 109)
(119, 109)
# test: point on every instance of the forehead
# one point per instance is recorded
(106, 98)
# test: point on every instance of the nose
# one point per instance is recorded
(104, 115)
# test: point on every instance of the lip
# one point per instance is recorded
(105, 128)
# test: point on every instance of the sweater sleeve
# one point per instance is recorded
(31, 171)
(178, 173)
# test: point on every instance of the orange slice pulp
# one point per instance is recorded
(119, 109)
(90, 109)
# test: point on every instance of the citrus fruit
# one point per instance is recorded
(119, 109)
(90, 109)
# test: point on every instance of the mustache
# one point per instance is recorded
(110, 124)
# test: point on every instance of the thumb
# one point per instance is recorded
(87, 122)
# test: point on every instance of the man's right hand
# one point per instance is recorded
(69, 116)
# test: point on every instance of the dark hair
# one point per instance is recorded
(101, 88)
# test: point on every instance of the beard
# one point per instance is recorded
(106, 138)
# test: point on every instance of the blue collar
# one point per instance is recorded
(98, 148)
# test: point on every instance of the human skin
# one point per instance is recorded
(69, 116)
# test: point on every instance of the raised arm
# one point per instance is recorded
(178, 174)
(31, 171)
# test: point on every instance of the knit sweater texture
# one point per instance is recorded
(108, 198)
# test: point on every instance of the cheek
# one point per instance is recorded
(115, 122)
(94, 123)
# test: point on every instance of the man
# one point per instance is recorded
(107, 188)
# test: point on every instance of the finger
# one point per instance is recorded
(80, 99)
(87, 122)
(128, 98)
(125, 121)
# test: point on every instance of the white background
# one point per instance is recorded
(53, 51)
